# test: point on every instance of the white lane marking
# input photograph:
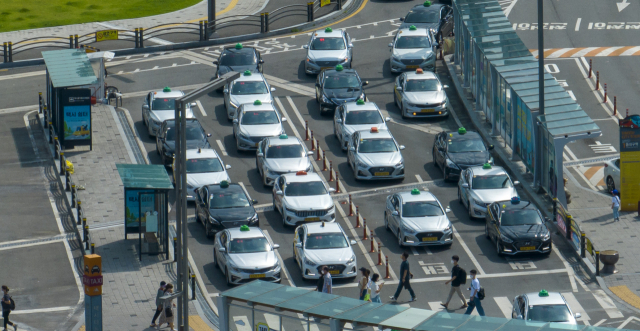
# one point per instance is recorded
(507, 11)
(145, 70)
(243, 187)
(414, 251)
(214, 295)
(466, 249)
(146, 55)
(365, 252)
(33, 244)
(573, 96)
(284, 268)
(120, 72)
(128, 57)
(289, 86)
(221, 146)
(573, 156)
(578, 23)
(607, 304)
(41, 310)
(568, 269)
(576, 306)
(419, 178)
(600, 322)
(581, 283)
(175, 64)
(242, 323)
(273, 321)
(627, 322)
(426, 249)
(155, 67)
(505, 305)
(204, 113)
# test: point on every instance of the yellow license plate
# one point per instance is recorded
(430, 239)
(427, 110)
(381, 174)
(334, 272)
(312, 219)
(413, 67)
(256, 276)
(527, 248)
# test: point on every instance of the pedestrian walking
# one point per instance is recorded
(167, 309)
(615, 205)
(458, 277)
(328, 284)
(475, 297)
(375, 288)
(363, 284)
(158, 303)
(320, 282)
(405, 276)
(7, 306)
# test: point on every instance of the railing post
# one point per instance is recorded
(46, 122)
(193, 286)
(136, 37)
(40, 102)
(75, 39)
(84, 229)
(93, 248)
(261, 22)
(55, 147)
(207, 35)
(141, 38)
(79, 211)
(583, 242)
(339, 5)
(309, 11)
(62, 162)
(5, 54)
(200, 24)
(67, 180)
(597, 263)
(73, 195)
(86, 243)
(70, 41)
(175, 249)
(10, 52)
(266, 22)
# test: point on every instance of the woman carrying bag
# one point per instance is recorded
(167, 311)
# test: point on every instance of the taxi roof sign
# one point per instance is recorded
(415, 191)
(413, 28)
(543, 293)
(301, 173)
(419, 71)
(515, 200)
(427, 3)
(339, 67)
(328, 30)
(224, 184)
(374, 129)
(247, 72)
(284, 136)
(166, 89)
(244, 228)
(238, 46)
(486, 166)
(360, 102)
(462, 130)
(257, 103)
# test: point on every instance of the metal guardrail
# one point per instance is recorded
(570, 228)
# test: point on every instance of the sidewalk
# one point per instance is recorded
(130, 285)
(191, 14)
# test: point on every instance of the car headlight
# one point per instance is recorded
(309, 169)
(408, 230)
(353, 258)
(244, 136)
(324, 98)
(233, 267)
(361, 164)
(310, 60)
(400, 164)
(394, 58)
(254, 218)
(345, 59)
(448, 227)
(505, 239)
(451, 165)
(490, 160)
(189, 186)
(213, 220)
(478, 202)
(233, 104)
(546, 237)
(309, 262)
(429, 56)
(290, 210)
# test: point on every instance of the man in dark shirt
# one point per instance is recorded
(6, 308)
(455, 283)
(320, 283)
(405, 276)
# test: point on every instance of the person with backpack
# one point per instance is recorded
(458, 277)
(615, 205)
(7, 306)
(477, 294)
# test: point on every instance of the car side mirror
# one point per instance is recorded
(365, 83)
(260, 154)
(353, 242)
(519, 317)
(235, 121)
(208, 134)
(261, 61)
(276, 246)
(279, 192)
(516, 183)
(284, 119)
(145, 107)
(353, 149)
(350, 45)
(578, 315)
(331, 190)
(225, 90)
(390, 44)
(387, 119)
(299, 245)
(309, 152)
(399, 88)
(193, 104)
(254, 201)
(273, 89)
(402, 147)
(305, 46)
(465, 185)
(339, 120)
(445, 86)
(222, 249)
(401, 19)
(228, 166)
(215, 62)
(447, 210)
(491, 147)
(395, 213)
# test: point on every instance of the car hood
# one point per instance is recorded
(311, 202)
(163, 115)
(524, 232)
(232, 214)
(425, 97)
(329, 256)
(254, 260)
(412, 53)
(380, 159)
(343, 93)
(470, 158)
(207, 178)
(493, 195)
(250, 98)
(331, 55)
(288, 165)
(224, 69)
(350, 129)
(191, 144)
(434, 26)
(430, 223)
(261, 130)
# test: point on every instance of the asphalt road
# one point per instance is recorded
(371, 28)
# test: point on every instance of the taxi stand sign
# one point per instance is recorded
(92, 279)
(106, 35)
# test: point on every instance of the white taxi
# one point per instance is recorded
(543, 307)
(303, 197)
(204, 167)
(356, 116)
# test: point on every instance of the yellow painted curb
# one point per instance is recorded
(82, 328)
(197, 324)
(624, 293)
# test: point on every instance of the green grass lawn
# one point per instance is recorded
(31, 14)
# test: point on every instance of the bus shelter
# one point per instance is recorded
(146, 189)
(502, 76)
(268, 306)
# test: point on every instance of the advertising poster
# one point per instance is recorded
(629, 163)
(77, 122)
(575, 235)
(132, 207)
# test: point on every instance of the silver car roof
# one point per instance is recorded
(309, 177)
(205, 153)
(323, 33)
(423, 75)
(554, 298)
(353, 106)
(494, 171)
(172, 94)
(317, 227)
(277, 141)
(416, 32)
(254, 77)
(263, 107)
(367, 134)
(254, 232)
(423, 196)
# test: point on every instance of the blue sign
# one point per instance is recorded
(77, 122)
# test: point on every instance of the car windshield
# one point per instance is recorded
(466, 145)
(549, 313)
(192, 133)
(341, 81)
(164, 104)
(363, 117)
(384, 145)
(413, 42)
(195, 166)
(228, 199)
(421, 209)
(235, 58)
(421, 85)
(285, 152)
(301, 189)
(423, 16)
(326, 241)
(327, 44)
(260, 117)
(243, 88)
(520, 217)
(491, 182)
(249, 245)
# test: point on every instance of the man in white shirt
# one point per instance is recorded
(615, 205)
(474, 302)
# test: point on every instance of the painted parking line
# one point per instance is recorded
(505, 306)
(284, 268)
(204, 113)
(576, 306)
(467, 250)
(221, 146)
(607, 304)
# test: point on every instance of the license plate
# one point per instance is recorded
(527, 248)
(381, 174)
(430, 239)
(324, 68)
(334, 272)
(257, 276)
(412, 67)
(257, 144)
(312, 219)
(427, 110)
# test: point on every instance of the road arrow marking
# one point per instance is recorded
(622, 5)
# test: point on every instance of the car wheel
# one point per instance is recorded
(435, 163)
(163, 158)
(198, 214)
(264, 180)
(611, 185)
(226, 274)
(355, 174)
(400, 237)
(207, 229)
(402, 111)
(258, 168)
(215, 262)
(550, 249)
(395, 99)
(335, 133)
(318, 99)
(460, 197)
(444, 174)
(157, 150)
(498, 250)
(486, 231)
(284, 220)
(470, 209)
(386, 223)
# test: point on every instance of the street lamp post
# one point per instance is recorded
(181, 191)
(539, 130)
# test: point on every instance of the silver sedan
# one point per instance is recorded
(326, 49)
(420, 94)
(246, 89)
(375, 154)
(411, 49)
(281, 155)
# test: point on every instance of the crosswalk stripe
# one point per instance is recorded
(242, 323)
(505, 306)
(273, 321)
(605, 301)
(576, 306)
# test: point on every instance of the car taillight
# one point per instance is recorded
(606, 165)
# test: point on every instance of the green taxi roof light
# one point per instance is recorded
(415, 191)
(247, 72)
(486, 166)
(166, 89)
(257, 103)
(339, 67)
(244, 228)
(328, 30)
(543, 293)
(427, 3)
(224, 184)
(413, 28)
(360, 102)
(238, 46)
(462, 131)
(284, 136)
